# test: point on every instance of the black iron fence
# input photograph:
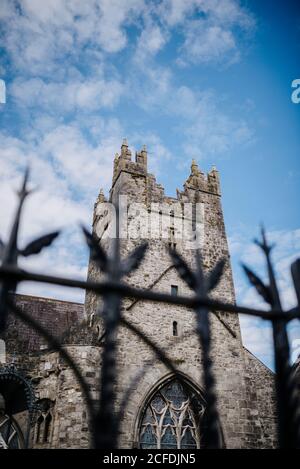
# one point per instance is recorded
(104, 418)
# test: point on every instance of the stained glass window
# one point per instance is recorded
(172, 419)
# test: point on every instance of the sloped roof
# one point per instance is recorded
(55, 315)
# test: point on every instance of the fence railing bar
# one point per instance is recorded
(157, 350)
(204, 336)
(104, 420)
(287, 398)
(127, 291)
(141, 373)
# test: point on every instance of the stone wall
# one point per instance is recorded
(55, 315)
(54, 380)
(260, 405)
(236, 374)
(244, 387)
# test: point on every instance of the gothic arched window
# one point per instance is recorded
(44, 421)
(172, 418)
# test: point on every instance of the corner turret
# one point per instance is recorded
(141, 157)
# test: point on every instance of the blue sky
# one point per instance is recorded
(202, 79)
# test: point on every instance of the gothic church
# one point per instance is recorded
(159, 412)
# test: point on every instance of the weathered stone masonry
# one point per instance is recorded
(245, 387)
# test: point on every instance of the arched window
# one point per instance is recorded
(17, 405)
(10, 433)
(44, 422)
(39, 423)
(47, 428)
(172, 418)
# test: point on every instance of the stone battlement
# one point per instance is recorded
(133, 179)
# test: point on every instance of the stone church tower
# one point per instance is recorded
(160, 412)
(244, 386)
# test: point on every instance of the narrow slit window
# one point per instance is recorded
(175, 329)
(47, 427)
(39, 423)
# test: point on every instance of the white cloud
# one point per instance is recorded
(207, 128)
(88, 95)
(38, 33)
(150, 42)
(257, 338)
(67, 169)
(256, 333)
(115, 14)
(6, 10)
(286, 250)
(68, 257)
(68, 77)
(202, 120)
(152, 88)
(157, 151)
(63, 158)
(2, 92)
(208, 43)
(211, 29)
(175, 12)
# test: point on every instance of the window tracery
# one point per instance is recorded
(44, 421)
(172, 418)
